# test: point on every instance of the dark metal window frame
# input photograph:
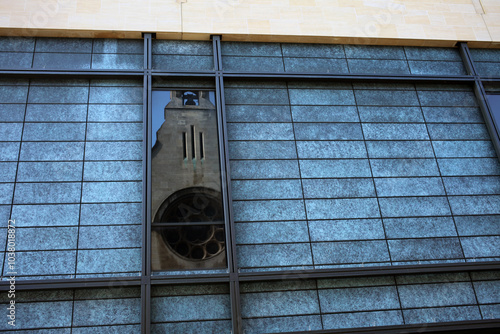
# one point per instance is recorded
(233, 277)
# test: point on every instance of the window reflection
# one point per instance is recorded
(186, 200)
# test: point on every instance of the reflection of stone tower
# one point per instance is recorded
(186, 183)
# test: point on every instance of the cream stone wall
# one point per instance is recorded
(403, 22)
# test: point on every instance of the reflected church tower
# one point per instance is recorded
(186, 204)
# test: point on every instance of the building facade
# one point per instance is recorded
(303, 180)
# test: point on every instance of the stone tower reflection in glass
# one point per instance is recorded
(186, 202)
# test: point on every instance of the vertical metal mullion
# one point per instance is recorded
(146, 213)
(234, 287)
(482, 99)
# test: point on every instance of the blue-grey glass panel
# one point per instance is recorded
(6, 193)
(327, 131)
(122, 329)
(251, 49)
(117, 61)
(486, 292)
(256, 96)
(490, 311)
(481, 246)
(315, 65)
(494, 101)
(12, 112)
(282, 324)
(61, 60)
(8, 171)
(9, 151)
(113, 151)
(312, 50)
(115, 113)
(321, 97)
(331, 149)
(269, 210)
(472, 185)
(199, 327)
(445, 314)
(452, 114)
(56, 113)
(106, 312)
(475, 205)
(338, 188)
(388, 187)
(268, 304)
(46, 215)
(443, 294)
(375, 66)
(352, 229)
(374, 52)
(335, 168)
(182, 47)
(17, 44)
(262, 150)
(186, 308)
(76, 45)
(252, 64)
(471, 166)
(133, 46)
(44, 94)
(436, 68)
(395, 131)
(42, 263)
(362, 319)
(477, 225)
(342, 208)
(272, 232)
(115, 237)
(488, 69)
(95, 192)
(28, 239)
(269, 169)
(115, 95)
(109, 260)
(446, 98)
(51, 315)
(260, 131)
(114, 131)
(423, 53)
(11, 131)
(15, 60)
(419, 227)
(425, 249)
(54, 132)
(266, 189)
(113, 171)
(13, 94)
(350, 252)
(390, 114)
(457, 131)
(386, 98)
(111, 214)
(358, 299)
(183, 63)
(49, 171)
(28, 193)
(466, 149)
(414, 206)
(399, 149)
(274, 255)
(404, 167)
(324, 114)
(258, 113)
(43, 151)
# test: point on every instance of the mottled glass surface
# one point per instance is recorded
(334, 175)
(186, 200)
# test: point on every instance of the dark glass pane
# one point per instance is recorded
(186, 202)
(494, 101)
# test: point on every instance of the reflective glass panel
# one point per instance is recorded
(186, 201)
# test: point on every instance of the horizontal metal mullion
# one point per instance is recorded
(80, 73)
(455, 326)
(159, 73)
(369, 271)
(364, 77)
